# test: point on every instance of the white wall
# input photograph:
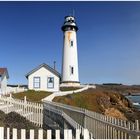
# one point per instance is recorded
(43, 73)
(70, 57)
(15, 89)
(3, 83)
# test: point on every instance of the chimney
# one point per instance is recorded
(54, 64)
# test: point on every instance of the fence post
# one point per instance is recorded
(137, 128)
(129, 128)
(23, 134)
(25, 100)
(57, 134)
(65, 134)
(125, 134)
(121, 131)
(49, 134)
(70, 134)
(40, 134)
(1, 133)
(7, 103)
(10, 99)
(14, 134)
(86, 134)
(77, 134)
(32, 134)
(8, 133)
(85, 123)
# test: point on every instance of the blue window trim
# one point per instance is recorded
(48, 83)
(36, 82)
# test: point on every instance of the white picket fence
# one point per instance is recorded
(67, 119)
(5, 134)
(100, 126)
(31, 111)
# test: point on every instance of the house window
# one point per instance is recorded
(71, 70)
(71, 43)
(36, 82)
(50, 82)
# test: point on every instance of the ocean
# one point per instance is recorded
(135, 100)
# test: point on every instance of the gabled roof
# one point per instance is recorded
(4, 71)
(45, 66)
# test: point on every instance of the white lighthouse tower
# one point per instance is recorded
(70, 75)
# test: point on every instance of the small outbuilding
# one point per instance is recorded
(44, 78)
(4, 76)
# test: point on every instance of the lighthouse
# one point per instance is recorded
(70, 74)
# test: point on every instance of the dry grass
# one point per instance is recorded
(14, 120)
(2, 117)
(31, 95)
(102, 101)
(87, 99)
(120, 88)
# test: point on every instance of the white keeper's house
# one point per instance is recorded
(4, 76)
(43, 78)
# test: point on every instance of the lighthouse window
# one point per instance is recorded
(71, 70)
(50, 82)
(71, 43)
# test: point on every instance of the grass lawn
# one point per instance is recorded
(31, 95)
(85, 99)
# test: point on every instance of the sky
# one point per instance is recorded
(108, 39)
